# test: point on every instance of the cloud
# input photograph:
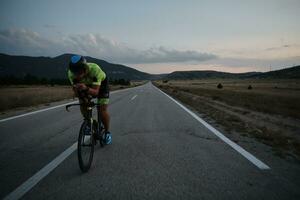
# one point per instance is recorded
(255, 64)
(280, 47)
(161, 55)
(26, 42)
(49, 26)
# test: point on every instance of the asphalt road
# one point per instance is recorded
(159, 151)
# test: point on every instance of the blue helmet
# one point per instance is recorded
(77, 64)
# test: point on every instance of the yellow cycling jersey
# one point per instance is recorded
(94, 75)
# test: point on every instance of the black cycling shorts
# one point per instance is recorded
(104, 89)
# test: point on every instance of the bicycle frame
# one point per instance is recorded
(89, 105)
(91, 136)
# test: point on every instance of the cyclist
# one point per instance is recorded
(89, 79)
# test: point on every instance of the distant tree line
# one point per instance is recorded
(29, 79)
(119, 81)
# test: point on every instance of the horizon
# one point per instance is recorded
(287, 67)
(231, 36)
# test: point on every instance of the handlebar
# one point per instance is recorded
(88, 104)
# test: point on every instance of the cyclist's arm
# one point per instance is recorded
(75, 91)
(72, 80)
(93, 90)
(98, 76)
(81, 87)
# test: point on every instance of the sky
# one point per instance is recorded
(158, 36)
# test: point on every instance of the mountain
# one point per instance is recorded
(288, 73)
(46, 67)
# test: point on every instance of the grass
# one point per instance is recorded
(275, 97)
(255, 113)
(25, 96)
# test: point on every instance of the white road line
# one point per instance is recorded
(236, 147)
(133, 97)
(46, 109)
(37, 177)
(34, 112)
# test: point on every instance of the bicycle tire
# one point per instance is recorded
(85, 161)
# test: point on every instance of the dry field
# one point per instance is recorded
(26, 96)
(269, 112)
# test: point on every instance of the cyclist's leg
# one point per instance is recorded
(103, 100)
(102, 109)
(83, 109)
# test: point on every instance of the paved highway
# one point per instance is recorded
(159, 151)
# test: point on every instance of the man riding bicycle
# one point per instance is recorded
(89, 79)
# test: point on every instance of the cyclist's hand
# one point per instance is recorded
(80, 87)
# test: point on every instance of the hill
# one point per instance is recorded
(46, 67)
(288, 73)
(55, 68)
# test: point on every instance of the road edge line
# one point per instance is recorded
(54, 107)
(21, 190)
(35, 112)
(258, 163)
(38, 176)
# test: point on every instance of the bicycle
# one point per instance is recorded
(90, 131)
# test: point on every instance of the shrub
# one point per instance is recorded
(119, 82)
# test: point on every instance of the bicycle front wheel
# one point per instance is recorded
(85, 146)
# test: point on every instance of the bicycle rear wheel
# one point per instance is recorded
(85, 146)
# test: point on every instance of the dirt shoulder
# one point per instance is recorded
(240, 117)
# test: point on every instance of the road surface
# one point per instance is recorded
(159, 151)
